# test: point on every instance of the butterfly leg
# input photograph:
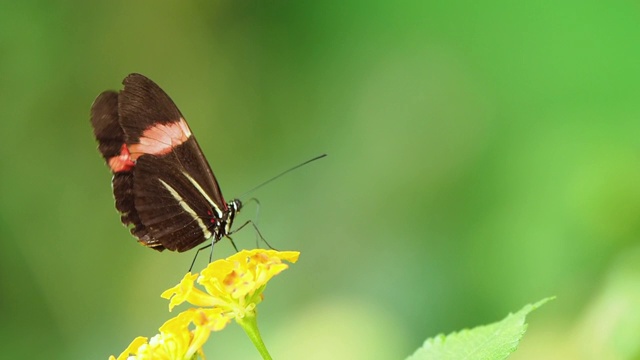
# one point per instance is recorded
(257, 232)
(198, 252)
(257, 218)
(232, 243)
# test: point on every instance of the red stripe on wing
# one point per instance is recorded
(122, 162)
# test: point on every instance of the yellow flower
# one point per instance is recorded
(235, 284)
(175, 340)
(233, 289)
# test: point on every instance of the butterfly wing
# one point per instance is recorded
(165, 186)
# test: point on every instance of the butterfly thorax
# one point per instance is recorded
(223, 226)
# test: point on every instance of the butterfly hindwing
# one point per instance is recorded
(110, 136)
(106, 128)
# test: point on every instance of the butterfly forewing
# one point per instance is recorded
(147, 112)
(175, 211)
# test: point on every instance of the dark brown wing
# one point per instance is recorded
(110, 136)
(170, 206)
(175, 192)
(144, 105)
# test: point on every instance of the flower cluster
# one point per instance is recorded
(232, 289)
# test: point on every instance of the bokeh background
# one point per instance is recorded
(482, 155)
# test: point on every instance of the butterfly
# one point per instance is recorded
(163, 185)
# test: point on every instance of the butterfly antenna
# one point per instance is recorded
(282, 173)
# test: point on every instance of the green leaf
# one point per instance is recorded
(489, 342)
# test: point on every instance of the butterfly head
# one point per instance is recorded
(235, 205)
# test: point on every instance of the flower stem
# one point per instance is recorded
(250, 326)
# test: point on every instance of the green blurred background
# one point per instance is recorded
(482, 155)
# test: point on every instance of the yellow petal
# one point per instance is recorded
(132, 348)
(290, 256)
(242, 255)
(185, 291)
(217, 270)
